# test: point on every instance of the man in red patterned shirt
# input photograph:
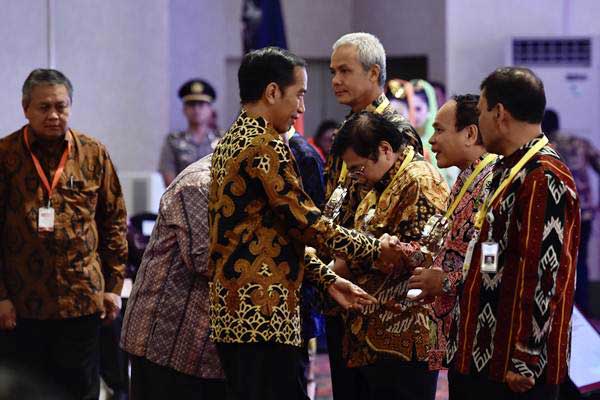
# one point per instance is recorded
(519, 275)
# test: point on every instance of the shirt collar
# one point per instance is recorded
(371, 107)
(514, 158)
(34, 140)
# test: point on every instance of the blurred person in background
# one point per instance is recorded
(182, 148)
(580, 155)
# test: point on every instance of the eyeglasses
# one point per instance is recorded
(356, 172)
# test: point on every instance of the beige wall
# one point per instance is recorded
(407, 28)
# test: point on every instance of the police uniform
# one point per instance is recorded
(180, 149)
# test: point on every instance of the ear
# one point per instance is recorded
(24, 107)
(500, 112)
(472, 134)
(271, 93)
(386, 148)
(374, 73)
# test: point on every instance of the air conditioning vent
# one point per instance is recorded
(552, 52)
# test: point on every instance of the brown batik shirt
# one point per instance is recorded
(60, 274)
(395, 327)
(356, 191)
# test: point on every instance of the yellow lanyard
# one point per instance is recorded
(481, 214)
(379, 110)
(487, 160)
(371, 197)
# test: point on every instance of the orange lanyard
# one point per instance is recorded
(40, 171)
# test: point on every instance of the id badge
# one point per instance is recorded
(46, 219)
(489, 257)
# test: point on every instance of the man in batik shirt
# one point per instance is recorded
(387, 345)
(456, 142)
(260, 220)
(517, 297)
(166, 325)
(358, 76)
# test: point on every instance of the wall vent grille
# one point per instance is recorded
(552, 52)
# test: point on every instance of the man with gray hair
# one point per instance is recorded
(358, 75)
(62, 240)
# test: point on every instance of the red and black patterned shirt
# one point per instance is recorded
(518, 319)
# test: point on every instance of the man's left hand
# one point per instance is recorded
(518, 383)
(112, 307)
(348, 295)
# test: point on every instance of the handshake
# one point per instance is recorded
(392, 255)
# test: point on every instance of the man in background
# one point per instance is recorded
(62, 232)
(358, 76)
(580, 155)
(182, 148)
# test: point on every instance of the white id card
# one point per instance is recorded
(46, 219)
(489, 257)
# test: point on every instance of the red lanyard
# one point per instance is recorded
(40, 171)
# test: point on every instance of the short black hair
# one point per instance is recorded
(364, 131)
(466, 112)
(519, 90)
(324, 126)
(261, 67)
(551, 122)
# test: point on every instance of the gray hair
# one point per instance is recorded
(369, 48)
(41, 76)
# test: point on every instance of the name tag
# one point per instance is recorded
(489, 257)
(46, 219)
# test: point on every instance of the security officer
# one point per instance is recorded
(199, 139)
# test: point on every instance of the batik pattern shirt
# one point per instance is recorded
(580, 155)
(356, 191)
(394, 327)
(167, 319)
(518, 319)
(452, 255)
(64, 273)
(260, 221)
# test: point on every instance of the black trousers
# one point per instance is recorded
(344, 380)
(262, 371)
(63, 354)
(397, 380)
(113, 360)
(386, 379)
(472, 387)
(151, 381)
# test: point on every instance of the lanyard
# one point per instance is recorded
(379, 110)
(40, 171)
(481, 214)
(487, 160)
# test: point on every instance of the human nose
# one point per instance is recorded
(53, 113)
(433, 138)
(301, 107)
(335, 79)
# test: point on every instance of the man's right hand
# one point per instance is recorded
(8, 315)
(390, 256)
